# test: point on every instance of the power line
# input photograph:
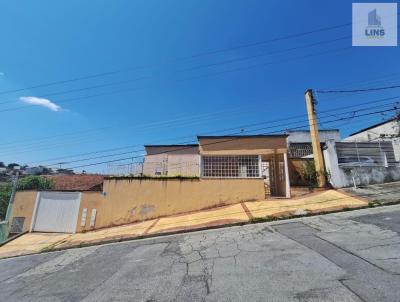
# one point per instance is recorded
(264, 54)
(190, 78)
(201, 54)
(269, 63)
(358, 90)
(188, 69)
(374, 80)
(151, 125)
(325, 112)
(218, 142)
(85, 88)
(269, 127)
(102, 128)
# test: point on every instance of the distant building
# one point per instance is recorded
(65, 171)
(388, 130)
(14, 166)
(34, 170)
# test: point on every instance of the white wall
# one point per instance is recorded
(342, 176)
(304, 136)
(172, 164)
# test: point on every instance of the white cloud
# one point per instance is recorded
(32, 100)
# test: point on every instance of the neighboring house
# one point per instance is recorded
(65, 171)
(247, 156)
(34, 170)
(232, 169)
(172, 160)
(301, 152)
(360, 163)
(300, 141)
(385, 131)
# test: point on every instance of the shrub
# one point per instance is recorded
(310, 175)
(5, 193)
(32, 182)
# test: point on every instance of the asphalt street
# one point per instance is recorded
(350, 256)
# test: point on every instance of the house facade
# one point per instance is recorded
(241, 156)
(247, 156)
(230, 170)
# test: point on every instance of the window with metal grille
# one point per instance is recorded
(298, 150)
(231, 166)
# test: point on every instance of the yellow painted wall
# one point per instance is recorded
(242, 145)
(130, 200)
(24, 202)
(90, 201)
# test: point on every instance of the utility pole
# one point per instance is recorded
(11, 203)
(316, 144)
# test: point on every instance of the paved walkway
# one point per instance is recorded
(324, 201)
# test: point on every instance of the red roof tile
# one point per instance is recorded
(78, 182)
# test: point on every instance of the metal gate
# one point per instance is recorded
(56, 212)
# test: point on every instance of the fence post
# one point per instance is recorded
(358, 153)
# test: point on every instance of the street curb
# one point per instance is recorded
(12, 238)
(179, 232)
(160, 237)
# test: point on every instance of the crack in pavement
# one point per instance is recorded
(200, 256)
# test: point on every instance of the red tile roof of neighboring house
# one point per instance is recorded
(78, 182)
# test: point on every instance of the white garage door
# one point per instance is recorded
(56, 212)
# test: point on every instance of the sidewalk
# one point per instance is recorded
(323, 201)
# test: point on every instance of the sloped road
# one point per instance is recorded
(351, 256)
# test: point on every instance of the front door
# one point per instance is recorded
(277, 175)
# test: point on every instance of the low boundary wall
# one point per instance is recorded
(127, 200)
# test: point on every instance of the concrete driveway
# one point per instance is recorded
(350, 256)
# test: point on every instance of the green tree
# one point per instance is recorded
(27, 183)
(33, 182)
(5, 193)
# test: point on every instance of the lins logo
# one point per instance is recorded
(374, 30)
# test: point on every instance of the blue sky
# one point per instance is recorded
(166, 88)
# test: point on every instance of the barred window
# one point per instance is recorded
(234, 166)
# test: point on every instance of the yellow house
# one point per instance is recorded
(231, 169)
(247, 156)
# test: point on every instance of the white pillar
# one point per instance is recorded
(200, 166)
(287, 179)
(332, 164)
(33, 219)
